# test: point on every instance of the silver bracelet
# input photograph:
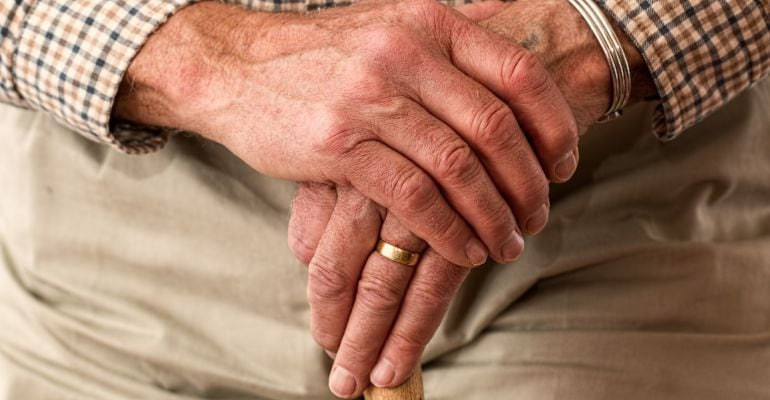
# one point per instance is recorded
(613, 50)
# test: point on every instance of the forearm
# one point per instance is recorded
(68, 58)
(175, 76)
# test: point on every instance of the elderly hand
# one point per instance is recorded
(408, 102)
(356, 295)
(378, 315)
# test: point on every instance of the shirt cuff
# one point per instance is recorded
(701, 53)
(72, 56)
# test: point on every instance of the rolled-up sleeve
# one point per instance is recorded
(701, 53)
(68, 58)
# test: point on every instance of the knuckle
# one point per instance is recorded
(414, 190)
(408, 341)
(435, 291)
(326, 282)
(368, 82)
(386, 45)
(379, 294)
(435, 294)
(495, 125)
(340, 137)
(457, 164)
(499, 216)
(449, 232)
(533, 192)
(357, 350)
(359, 210)
(524, 72)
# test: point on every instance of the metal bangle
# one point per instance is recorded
(613, 50)
(397, 254)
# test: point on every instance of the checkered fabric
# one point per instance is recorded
(68, 57)
(701, 53)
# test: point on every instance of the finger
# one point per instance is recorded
(382, 284)
(438, 150)
(481, 11)
(310, 212)
(489, 126)
(335, 269)
(518, 77)
(407, 191)
(434, 284)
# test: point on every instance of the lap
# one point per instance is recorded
(168, 276)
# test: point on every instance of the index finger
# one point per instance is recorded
(519, 78)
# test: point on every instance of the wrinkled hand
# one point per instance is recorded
(386, 311)
(381, 313)
(408, 102)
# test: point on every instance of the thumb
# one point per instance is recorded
(482, 10)
(310, 212)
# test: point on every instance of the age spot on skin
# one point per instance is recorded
(531, 41)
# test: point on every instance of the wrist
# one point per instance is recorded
(562, 39)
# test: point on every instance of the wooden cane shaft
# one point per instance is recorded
(409, 390)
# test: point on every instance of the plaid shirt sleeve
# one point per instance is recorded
(701, 53)
(68, 58)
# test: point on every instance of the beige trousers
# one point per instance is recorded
(168, 276)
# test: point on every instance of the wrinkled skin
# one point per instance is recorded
(408, 102)
(384, 314)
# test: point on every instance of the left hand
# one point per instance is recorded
(356, 294)
(378, 315)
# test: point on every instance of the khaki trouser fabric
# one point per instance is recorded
(168, 276)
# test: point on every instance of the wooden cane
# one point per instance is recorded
(409, 390)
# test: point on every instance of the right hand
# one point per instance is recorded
(409, 102)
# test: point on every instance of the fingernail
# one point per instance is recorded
(342, 383)
(331, 354)
(513, 247)
(476, 252)
(536, 222)
(566, 167)
(383, 373)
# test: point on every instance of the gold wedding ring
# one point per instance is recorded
(399, 255)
